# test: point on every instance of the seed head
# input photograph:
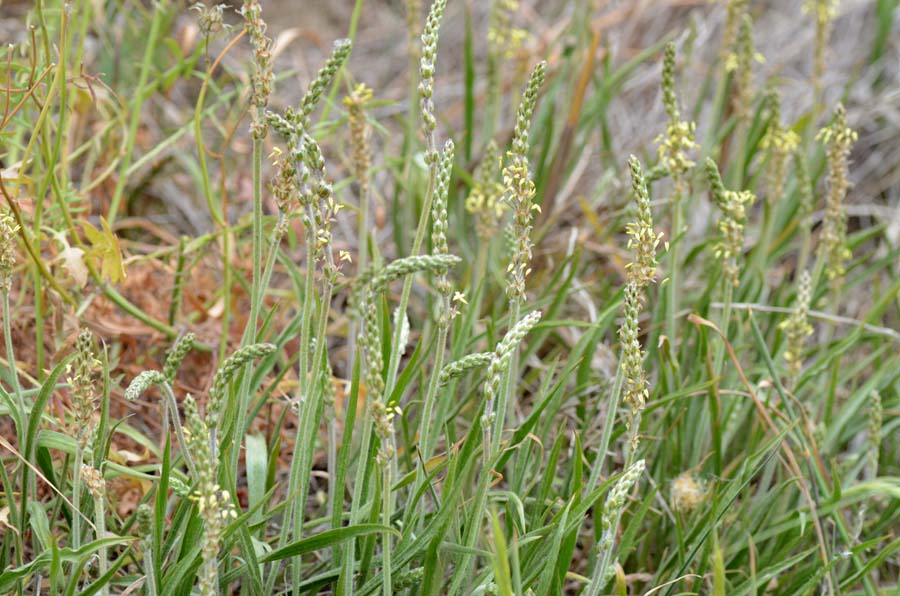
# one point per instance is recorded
(526, 110)
(213, 504)
(824, 13)
(734, 13)
(409, 578)
(670, 99)
(797, 327)
(674, 146)
(679, 136)
(210, 19)
(740, 62)
(144, 381)
(323, 78)
(226, 373)
(93, 480)
(485, 199)
(642, 239)
(263, 77)
(457, 368)
(144, 522)
(176, 355)
(360, 130)
(383, 420)
(426, 74)
(688, 492)
(822, 10)
(8, 229)
(731, 225)
(320, 207)
(519, 188)
(284, 181)
(503, 38)
(804, 185)
(615, 504)
(399, 268)
(635, 389)
(439, 217)
(838, 139)
(779, 143)
(501, 358)
(370, 342)
(413, 27)
(81, 372)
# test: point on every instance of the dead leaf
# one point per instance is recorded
(12, 174)
(4, 519)
(105, 248)
(73, 260)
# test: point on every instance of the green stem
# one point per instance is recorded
(717, 371)
(76, 496)
(598, 578)
(257, 290)
(311, 398)
(474, 523)
(672, 282)
(226, 291)
(427, 424)
(724, 324)
(137, 101)
(506, 385)
(102, 554)
(396, 350)
(302, 391)
(805, 245)
(309, 422)
(357, 507)
(606, 436)
(28, 484)
(179, 430)
(22, 413)
(386, 512)
(149, 570)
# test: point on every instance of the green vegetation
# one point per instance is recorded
(352, 340)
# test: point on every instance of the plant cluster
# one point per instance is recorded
(421, 355)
